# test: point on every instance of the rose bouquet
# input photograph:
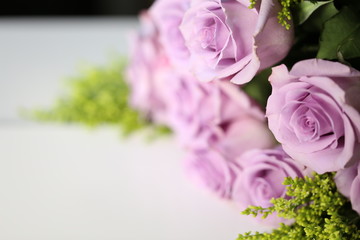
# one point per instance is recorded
(263, 97)
(201, 67)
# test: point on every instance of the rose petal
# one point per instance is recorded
(344, 178)
(355, 194)
(319, 67)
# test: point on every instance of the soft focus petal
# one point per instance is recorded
(355, 194)
(344, 178)
(260, 179)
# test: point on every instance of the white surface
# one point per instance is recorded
(35, 55)
(66, 182)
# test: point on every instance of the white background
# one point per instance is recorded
(68, 182)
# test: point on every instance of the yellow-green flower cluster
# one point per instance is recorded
(319, 211)
(284, 15)
(98, 96)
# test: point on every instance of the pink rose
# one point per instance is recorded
(168, 15)
(313, 112)
(348, 184)
(217, 115)
(208, 168)
(227, 40)
(146, 71)
(260, 179)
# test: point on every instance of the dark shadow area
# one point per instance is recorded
(18, 8)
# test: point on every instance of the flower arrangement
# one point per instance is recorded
(262, 95)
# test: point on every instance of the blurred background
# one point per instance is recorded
(73, 7)
(67, 181)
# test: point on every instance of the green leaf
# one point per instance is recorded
(315, 22)
(351, 47)
(340, 38)
(259, 88)
(305, 9)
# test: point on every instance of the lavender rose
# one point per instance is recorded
(208, 168)
(260, 178)
(146, 71)
(314, 112)
(168, 15)
(227, 40)
(348, 183)
(217, 115)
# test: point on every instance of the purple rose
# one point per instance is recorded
(239, 124)
(313, 112)
(227, 40)
(146, 71)
(168, 15)
(208, 168)
(215, 115)
(348, 183)
(260, 179)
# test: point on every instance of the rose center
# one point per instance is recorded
(307, 125)
(262, 192)
(206, 35)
